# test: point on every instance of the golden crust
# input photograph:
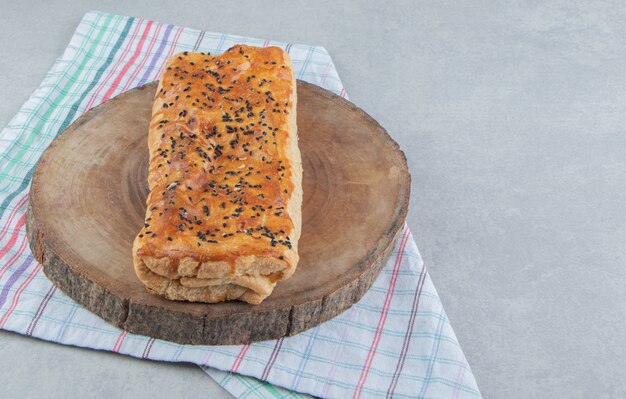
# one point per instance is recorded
(223, 215)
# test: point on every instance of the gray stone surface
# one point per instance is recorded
(513, 118)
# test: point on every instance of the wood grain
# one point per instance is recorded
(87, 203)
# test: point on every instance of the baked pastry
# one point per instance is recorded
(223, 214)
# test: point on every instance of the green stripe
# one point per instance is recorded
(253, 386)
(226, 378)
(29, 156)
(58, 101)
(271, 389)
(108, 61)
(106, 64)
(277, 392)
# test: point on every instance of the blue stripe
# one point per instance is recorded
(305, 357)
(433, 355)
(67, 321)
(305, 63)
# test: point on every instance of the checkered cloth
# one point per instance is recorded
(396, 342)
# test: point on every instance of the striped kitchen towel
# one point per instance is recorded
(396, 342)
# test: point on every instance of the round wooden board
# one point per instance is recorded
(87, 203)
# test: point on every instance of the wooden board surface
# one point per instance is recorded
(87, 203)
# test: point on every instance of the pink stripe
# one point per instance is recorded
(16, 230)
(240, 357)
(130, 62)
(325, 74)
(24, 284)
(101, 86)
(331, 376)
(13, 239)
(459, 378)
(145, 58)
(333, 369)
(266, 43)
(171, 50)
(14, 212)
(120, 341)
(383, 317)
(17, 295)
(342, 93)
(14, 257)
(206, 357)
